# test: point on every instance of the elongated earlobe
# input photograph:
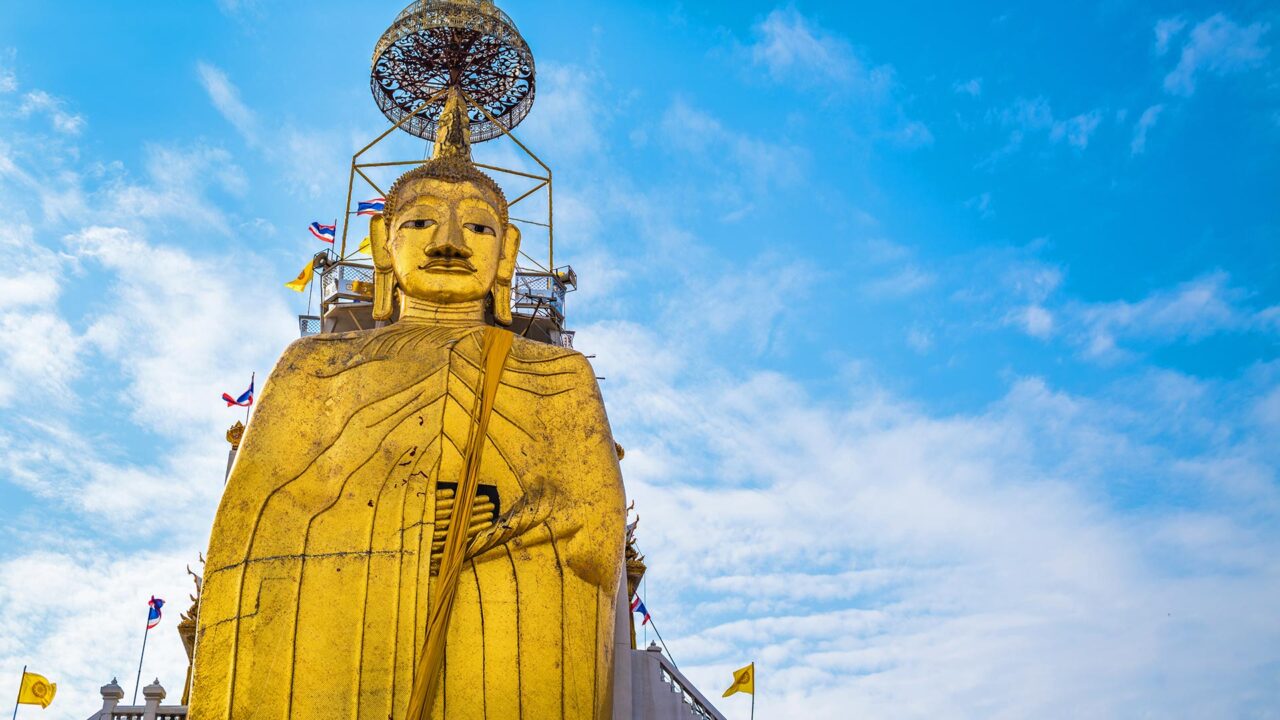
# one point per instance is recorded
(500, 296)
(500, 293)
(384, 277)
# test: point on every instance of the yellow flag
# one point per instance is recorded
(744, 680)
(36, 690)
(364, 247)
(304, 278)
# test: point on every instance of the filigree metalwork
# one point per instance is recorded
(434, 44)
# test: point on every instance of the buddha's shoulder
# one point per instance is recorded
(335, 349)
(330, 348)
(531, 354)
(326, 345)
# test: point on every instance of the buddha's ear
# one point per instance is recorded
(378, 246)
(510, 251)
(500, 294)
(384, 277)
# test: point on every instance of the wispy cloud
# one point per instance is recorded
(795, 50)
(110, 332)
(1217, 45)
(1148, 120)
(1118, 329)
(971, 87)
(306, 156)
(226, 99)
(950, 548)
(1036, 115)
(42, 103)
(1191, 311)
(1165, 31)
(792, 48)
(745, 166)
(981, 203)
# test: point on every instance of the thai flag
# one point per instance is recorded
(245, 399)
(371, 207)
(637, 606)
(325, 233)
(153, 615)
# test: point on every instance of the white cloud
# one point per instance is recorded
(566, 121)
(1148, 120)
(910, 134)
(980, 202)
(225, 97)
(41, 102)
(971, 87)
(752, 306)
(76, 615)
(1165, 30)
(881, 560)
(1034, 320)
(1036, 116)
(1192, 310)
(1077, 130)
(39, 355)
(907, 280)
(1113, 330)
(792, 48)
(743, 166)
(116, 345)
(307, 158)
(1218, 46)
(919, 340)
(177, 186)
(8, 78)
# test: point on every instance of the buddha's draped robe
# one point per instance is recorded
(319, 580)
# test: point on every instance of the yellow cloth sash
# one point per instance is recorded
(493, 357)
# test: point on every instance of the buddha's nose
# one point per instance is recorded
(452, 244)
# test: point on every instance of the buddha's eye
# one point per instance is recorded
(478, 228)
(417, 224)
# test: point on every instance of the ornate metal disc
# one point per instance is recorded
(435, 43)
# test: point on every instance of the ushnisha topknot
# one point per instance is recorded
(449, 169)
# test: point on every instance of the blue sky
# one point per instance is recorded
(942, 340)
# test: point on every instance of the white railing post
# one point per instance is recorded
(112, 694)
(153, 694)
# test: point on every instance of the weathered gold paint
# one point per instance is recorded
(322, 566)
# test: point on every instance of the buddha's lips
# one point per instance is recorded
(448, 263)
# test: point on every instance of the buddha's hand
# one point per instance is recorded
(529, 512)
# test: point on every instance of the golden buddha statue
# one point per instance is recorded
(424, 520)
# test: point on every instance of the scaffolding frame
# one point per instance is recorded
(543, 181)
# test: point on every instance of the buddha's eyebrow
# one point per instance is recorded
(481, 201)
(420, 197)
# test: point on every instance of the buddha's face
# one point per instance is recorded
(447, 242)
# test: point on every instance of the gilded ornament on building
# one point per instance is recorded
(234, 433)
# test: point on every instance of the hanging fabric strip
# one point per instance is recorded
(493, 357)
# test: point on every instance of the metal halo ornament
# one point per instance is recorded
(436, 44)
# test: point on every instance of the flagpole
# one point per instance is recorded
(137, 681)
(753, 689)
(252, 376)
(664, 642)
(21, 679)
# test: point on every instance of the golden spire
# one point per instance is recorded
(453, 133)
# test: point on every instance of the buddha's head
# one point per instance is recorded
(444, 237)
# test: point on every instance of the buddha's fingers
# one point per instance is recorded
(529, 512)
